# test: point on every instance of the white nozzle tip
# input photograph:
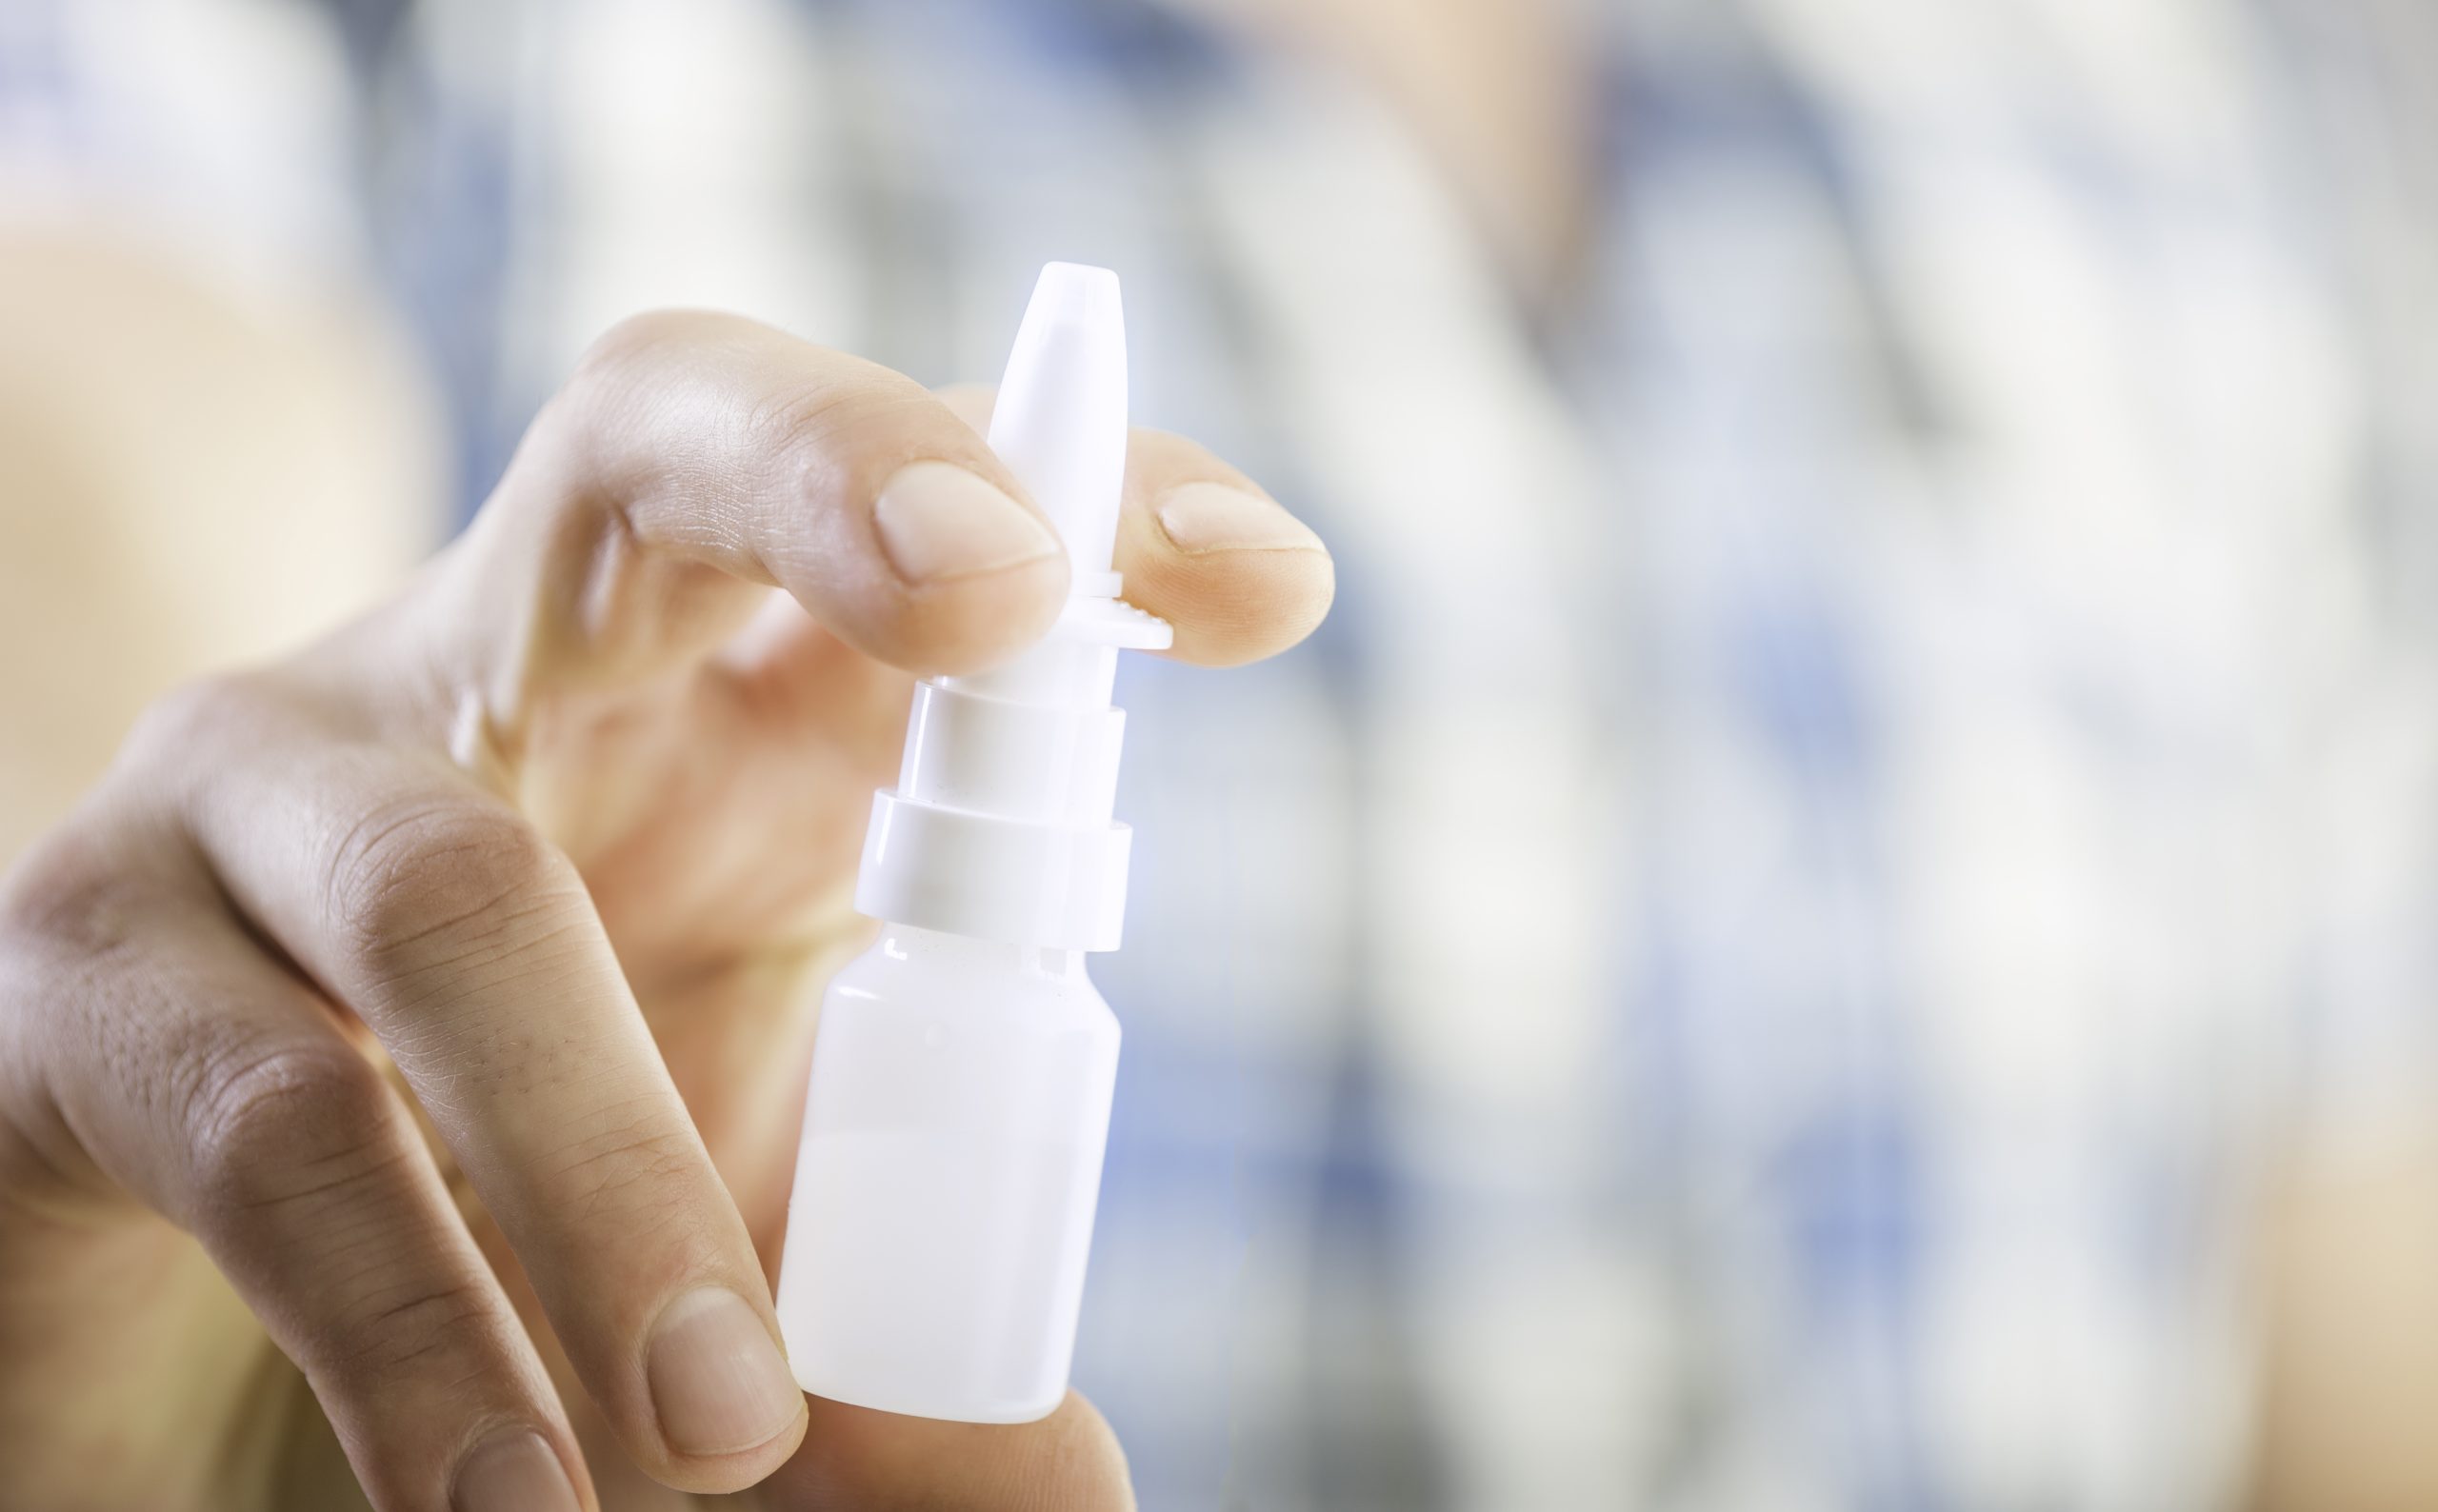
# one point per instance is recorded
(1060, 421)
(1075, 292)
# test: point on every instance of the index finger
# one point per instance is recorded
(696, 460)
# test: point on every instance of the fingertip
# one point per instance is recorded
(1206, 519)
(727, 1407)
(1238, 576)
(1068, 1461)
(738, 1470)
(973, 575)
(515, 1470)
(938, 523)
(967, 625)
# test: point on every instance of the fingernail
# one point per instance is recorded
(938, 521)
(718, 1381)
(1212, 517)
(514, 1472)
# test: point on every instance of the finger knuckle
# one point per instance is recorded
(87, 886)
(636, 346)
(287, 1123)
(629, 1168)
(645, 332)
(74, 896)
(854, 409)
(413, 1323)
(409, 873)
(172, 727)
(602, 385)
(63, 886)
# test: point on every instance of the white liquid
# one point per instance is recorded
(945, 1188)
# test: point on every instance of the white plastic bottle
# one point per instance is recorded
(963, 1067)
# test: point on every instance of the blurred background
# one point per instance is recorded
(1841, 915)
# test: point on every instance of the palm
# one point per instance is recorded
(715, 816)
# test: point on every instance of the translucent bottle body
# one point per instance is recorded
(950, 1163)
(962, 1071)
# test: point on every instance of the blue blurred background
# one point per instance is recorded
(1841, 914)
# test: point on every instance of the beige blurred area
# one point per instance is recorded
(2349, 1302)
(197, 471)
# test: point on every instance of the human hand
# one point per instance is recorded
(431, 1010)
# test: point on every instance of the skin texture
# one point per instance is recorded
(399, 1029)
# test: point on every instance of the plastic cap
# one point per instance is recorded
(1001, 825)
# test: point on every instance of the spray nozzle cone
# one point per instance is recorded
(1060, 421)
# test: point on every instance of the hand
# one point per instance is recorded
(408, 1034)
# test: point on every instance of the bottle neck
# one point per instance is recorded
(971, 749)
(902, 941)
(1058, 671)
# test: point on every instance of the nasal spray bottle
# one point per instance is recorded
(963, 1066)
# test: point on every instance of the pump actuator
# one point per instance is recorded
(1001, 826)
